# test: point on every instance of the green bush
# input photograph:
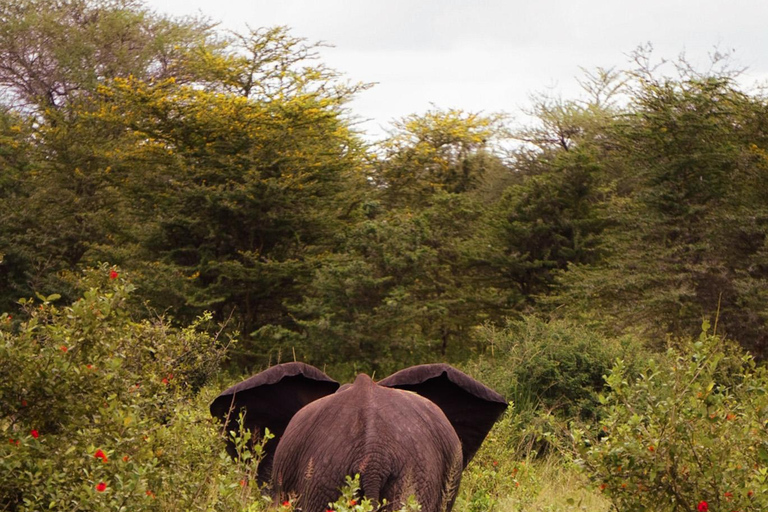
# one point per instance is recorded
(100, 412)
(555, 365)
(689, 429)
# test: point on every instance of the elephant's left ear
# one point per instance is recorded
(471, 407)
(269, 400)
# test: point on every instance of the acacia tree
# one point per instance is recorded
(241, 196)
(215, 170)
(551, 220)
(53, 51)
(406, 288)
(448, 151)
(410, 279)
(15, 161)
(53, 58)
(689, 225)
(552, 216)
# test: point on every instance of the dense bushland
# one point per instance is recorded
(223, 175)
(688, 430)
(101, 412)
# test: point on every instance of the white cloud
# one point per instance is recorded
(491, 54)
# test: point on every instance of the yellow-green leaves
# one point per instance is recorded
(439, 151)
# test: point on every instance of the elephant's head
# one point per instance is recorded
(272, 398)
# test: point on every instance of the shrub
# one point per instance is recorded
(100, 412)
(556, 365)
(688, 431)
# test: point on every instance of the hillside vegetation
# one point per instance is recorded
(180, 207)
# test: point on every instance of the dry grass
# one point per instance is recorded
(560, 488)
(549, 485)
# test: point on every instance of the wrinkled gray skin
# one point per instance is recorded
(411, 433)
(399, 442)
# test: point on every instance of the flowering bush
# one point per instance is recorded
(688, 434)
(101, 412)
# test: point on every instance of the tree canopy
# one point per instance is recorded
(224, 173)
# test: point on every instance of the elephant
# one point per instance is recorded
(412, 433)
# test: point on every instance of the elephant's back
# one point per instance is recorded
(399, 442)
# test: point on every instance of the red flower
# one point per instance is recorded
(164, 381)
(34, 433)
(286, 503)
(113, 274)
(651, 448)
(100, 455)
(150, 494)
(101, 487)
(23, 403)
(703, 506)
(352, 503)
(63, 348)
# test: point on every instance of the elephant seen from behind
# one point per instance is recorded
(412, 433)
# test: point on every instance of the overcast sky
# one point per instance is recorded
(490, 55)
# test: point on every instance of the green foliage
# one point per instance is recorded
(217, 170)
(555, 366)
(686, 229)
(100, 412)
(446, 151)
(57, 51)
(56, 56)
(689, 428)
(547, 222)
(242, 199)
(404, 289)
(15, 152)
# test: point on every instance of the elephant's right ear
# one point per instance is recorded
(471, 407)
(270, 399)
